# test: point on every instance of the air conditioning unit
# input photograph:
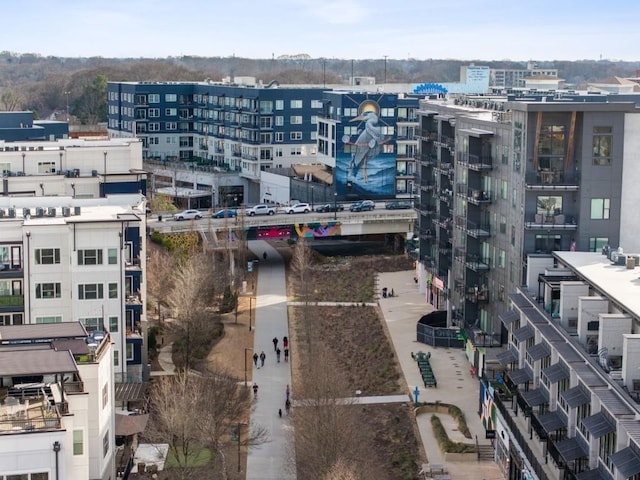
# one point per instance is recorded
(66, 211)
(26, 212)
(94, 173)
(76, 172)
(76, 210)
(51, 211)
(1, 212)
(39, 212)
(69, 174)
(12, 213)
(19, 174)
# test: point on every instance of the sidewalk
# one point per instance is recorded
(450, 366)
(269, 460)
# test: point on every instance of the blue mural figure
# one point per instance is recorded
(369, 141)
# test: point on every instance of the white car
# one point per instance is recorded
(188, 215)
(298, 208)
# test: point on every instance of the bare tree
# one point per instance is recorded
(342, 471)
(160, 266)
(191, 412)
(9, 100)
(301, 266)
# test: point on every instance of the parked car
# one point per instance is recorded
(330, 207)
(399, 205)
(298, 208)
(188, 215)
(224, 213)
(261, 209)
(363, 206)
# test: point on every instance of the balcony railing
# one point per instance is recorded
(475, 162)
(559, 221)
(473, 195)
(11, 300)
(549, 178)
(474, 229)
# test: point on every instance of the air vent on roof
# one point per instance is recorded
(26, 212)
(12, 213)
(51, 211)
(66, 211)
(76, 210)
(1, 212)
(39, 212)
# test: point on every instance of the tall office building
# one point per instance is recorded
(501, 178)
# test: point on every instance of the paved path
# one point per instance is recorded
(268, 461)
(165, 359)
(332, 304)
(374, 400)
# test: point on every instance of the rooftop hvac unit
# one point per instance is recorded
(51, 211)
(26, 212)
(19, 174)
(94, 173)
(39, 212)
(69, 174)
(66, 211)
(1, 212)
(11, 213)
(76, 210)
(76, 172)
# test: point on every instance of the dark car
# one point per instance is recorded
(363, 206)
(401, 205)
(330, 207)
(225, 213)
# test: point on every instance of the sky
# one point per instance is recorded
(350, 29)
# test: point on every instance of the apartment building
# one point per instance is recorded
(368, 141)
(504, 177)
(563, 399)
(66, 259)
(21, 127)
(244, 127)
(516, 77)
(57, 403)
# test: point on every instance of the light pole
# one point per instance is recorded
(67, 93)
(311, 197)
(335, 205)
(385, 68)
(245, 364)
(250, 311)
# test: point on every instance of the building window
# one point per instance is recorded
(90, 291)
(295, 119)
(171, 125)
(38, 476)
(171, 112)
(502, 258)
(48, 290)
(105, 395)
(295, 135)
(52, 319)
(279, 104)
(602, 142)
(296, 104)
(78, 442)
(154, 112)
(597, 243)
(90, 257)
(113, 256)
(504, 190)
(279, 136)
(503, 224)
(153, 98)
(105, 444)
(113, 324)
(92, 324)
(46, 167)
(47, 256)
(170, 97)
(154, 126)
(600, 208)
(129, 351)
(116, 358)
(113, 290)
(316, 104)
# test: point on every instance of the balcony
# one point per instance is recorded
(427, 135)
(31, 414)
(445, 141)
(551, 221)
(11, 300)
(475, 162)
(476, 230)
(443, 222)
(428, 159)
(553, 179)
(473, 195)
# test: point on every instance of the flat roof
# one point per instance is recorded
(41, 331)
(616, 282)
(44, 361)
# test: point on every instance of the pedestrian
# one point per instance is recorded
(263, 356)
(275, 343)
(287, 392)
(264, 255)
(255, 359)
(278, 354)
(287, 406)
(255, 390)
(286, 354)
(280, 412)
(285, 342)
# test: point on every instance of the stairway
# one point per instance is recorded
(485, 453)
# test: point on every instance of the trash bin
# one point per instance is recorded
(159, 218)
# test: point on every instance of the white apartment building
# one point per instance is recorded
(57, 403)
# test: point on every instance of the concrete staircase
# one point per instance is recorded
(485, 453)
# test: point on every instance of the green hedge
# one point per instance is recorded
(445, 444)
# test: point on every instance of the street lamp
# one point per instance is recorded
(245, 364)
(311, 197)
(67, 93)
(335, 205)
(250, 311)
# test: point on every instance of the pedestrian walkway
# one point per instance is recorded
(456, 385)
(165, 359)
(269, 460)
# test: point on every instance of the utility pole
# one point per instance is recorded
(385, 68)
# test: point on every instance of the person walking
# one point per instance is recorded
(255, 391)
(255, 359)
(275, 343)
(263, 356)
(287, 406)
(280, 412)
(286, 354)
(285, 342)
(287, 392)
(278, 354)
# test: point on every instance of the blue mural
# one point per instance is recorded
(364, 167)
(430, 88)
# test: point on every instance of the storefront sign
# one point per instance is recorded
(490, 434)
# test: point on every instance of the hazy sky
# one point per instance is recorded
(351, 29)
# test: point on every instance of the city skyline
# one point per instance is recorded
(357, 29)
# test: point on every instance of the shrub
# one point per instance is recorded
(458, 416)
(445, 444)
(229, 301)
